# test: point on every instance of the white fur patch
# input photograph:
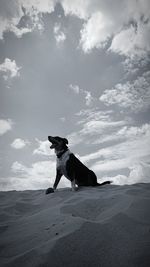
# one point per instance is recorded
(61, 163)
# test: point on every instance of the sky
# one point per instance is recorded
(80, 70)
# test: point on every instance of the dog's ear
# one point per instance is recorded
(65, 141)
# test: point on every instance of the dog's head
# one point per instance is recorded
(58, 143)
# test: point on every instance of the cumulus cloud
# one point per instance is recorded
(5, 126)
(9, 69)
(11, 13)
(134, 95)
(43, 148)
(126, 23)
(40, 175)
(139, 173)
(96, 32)
(132, 41)
(19, 143)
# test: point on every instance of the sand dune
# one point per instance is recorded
(100, 227)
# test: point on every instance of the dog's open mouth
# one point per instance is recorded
(53, 141)
(53, 145)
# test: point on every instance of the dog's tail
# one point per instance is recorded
(106, 182)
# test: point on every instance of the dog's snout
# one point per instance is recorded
(50, 138)
(57, 142)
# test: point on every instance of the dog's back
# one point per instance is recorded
(77, 170)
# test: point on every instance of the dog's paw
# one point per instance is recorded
(49, 190)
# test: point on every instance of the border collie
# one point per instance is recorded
(70, 166)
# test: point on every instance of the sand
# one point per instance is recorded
(100, 227)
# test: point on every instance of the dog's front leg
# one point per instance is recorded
(58, 177)
(73, 185)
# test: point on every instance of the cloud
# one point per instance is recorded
(131, 152)
(44, 6)
(135, 149)
(38, 170)
(104, 153)
(98, 127)
(134, 95)
(126, 23)
(93, 123)
(133, 41)
(60, 36)
(43, 148)
(18, 167)
(19, 143)
(19, 31)
(74, 138)
(5, 126)
(11, 13)
(119, 146)
(40, 175)
(93, 113)
(88, 98)
(139, 173)
(9, 69)
(77, 8)
(87, 94)
(75, 88)
(125, 133)
(96, 32)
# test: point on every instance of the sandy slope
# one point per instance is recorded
(100, 227)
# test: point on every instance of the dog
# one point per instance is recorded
(70, 166)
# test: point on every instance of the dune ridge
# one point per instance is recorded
(107, 226)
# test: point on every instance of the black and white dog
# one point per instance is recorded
(70, 166)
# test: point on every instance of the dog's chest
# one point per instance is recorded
(62, 163)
